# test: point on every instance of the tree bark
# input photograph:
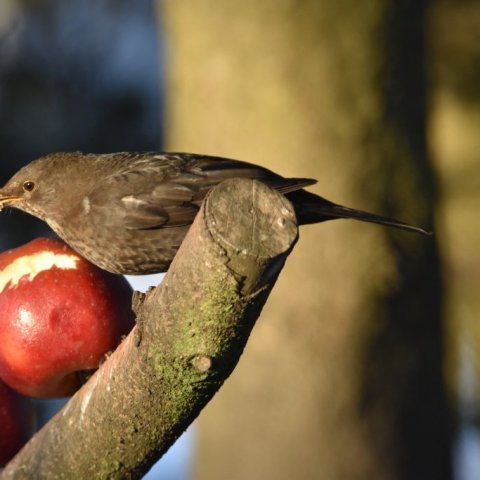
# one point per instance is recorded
(333, 90)
(190, 333)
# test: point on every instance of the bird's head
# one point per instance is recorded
(43, 187)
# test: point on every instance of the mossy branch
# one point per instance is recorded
(190, 333)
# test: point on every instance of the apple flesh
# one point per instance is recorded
(60, 315)
(17, 420)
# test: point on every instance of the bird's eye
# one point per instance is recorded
(28, 186)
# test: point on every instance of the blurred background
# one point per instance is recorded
(365, 363)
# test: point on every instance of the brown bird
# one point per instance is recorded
(129, 212)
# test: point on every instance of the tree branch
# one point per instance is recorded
(190, 333)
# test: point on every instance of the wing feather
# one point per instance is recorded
(154, 190)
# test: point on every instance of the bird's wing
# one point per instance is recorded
(166, 190)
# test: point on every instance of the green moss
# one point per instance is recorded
(108, 469)
(204, 330)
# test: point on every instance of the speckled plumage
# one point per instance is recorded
(129, 212)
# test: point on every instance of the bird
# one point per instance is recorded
(129, 212)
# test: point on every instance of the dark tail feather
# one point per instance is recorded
(311, 208)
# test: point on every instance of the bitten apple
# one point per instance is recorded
(17, 420)
(60, 314)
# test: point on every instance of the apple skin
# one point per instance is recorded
(60, 315)
(17, 420)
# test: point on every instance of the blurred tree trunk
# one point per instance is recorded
(454, 34)
(342, 378)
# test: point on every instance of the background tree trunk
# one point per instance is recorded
(333, 90)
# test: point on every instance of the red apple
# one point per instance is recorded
(60, 314)
(17, 420)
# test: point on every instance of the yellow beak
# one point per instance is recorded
(7, 199)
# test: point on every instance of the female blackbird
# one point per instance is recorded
(129, 212)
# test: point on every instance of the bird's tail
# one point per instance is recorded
(311, 208)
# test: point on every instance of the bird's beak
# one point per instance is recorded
(6, 199)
